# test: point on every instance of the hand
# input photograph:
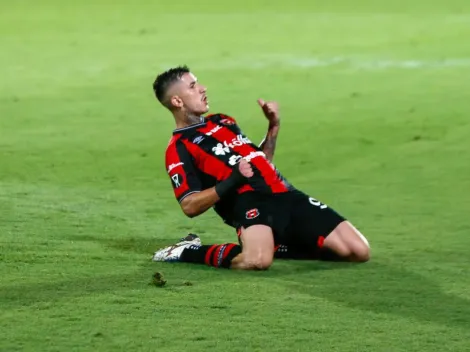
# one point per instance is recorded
(271, 111)
(245, 168)
(240, 173)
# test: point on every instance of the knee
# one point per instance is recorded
(259, 261)
(360, 248)
(264, 262)
(361, 253)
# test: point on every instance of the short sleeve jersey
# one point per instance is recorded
(200, 155)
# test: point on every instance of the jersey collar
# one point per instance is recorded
(191, 127)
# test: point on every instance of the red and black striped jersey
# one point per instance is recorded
(200, 155)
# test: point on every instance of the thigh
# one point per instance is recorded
(311, 221)
(348, 242)
(257, 240)
(257, 248)
(253, 209)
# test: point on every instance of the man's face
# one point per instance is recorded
(190, 95)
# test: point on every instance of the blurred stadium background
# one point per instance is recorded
(375, 108)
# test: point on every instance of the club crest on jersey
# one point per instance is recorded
(227, 122)
(251, 214)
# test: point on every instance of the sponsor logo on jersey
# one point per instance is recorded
(214, 130)
(224, 148)
(235, 158)
(219, 149)
(172, 166)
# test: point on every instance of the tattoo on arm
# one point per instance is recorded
(268, 145)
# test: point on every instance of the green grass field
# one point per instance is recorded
(375, 108)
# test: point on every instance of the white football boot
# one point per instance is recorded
(173, 253)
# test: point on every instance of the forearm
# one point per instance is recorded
(197, 203)
(268, 145)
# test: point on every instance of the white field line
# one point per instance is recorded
(300, 62)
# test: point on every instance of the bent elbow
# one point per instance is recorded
(190, 214)
(189, 210)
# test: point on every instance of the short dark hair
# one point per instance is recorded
(165, 79)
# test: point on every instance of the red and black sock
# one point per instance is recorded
(217, 255)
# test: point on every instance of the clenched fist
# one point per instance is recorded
(245, 168)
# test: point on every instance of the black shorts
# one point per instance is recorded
(295, 218)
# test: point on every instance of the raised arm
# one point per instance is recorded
(271, 112)
(268, 144)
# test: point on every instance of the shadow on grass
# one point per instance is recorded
(381, 288)
(136, 245)
(29, 294)
(374, 287)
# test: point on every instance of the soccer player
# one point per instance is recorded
(212, 164)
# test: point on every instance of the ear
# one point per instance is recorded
(176, 101)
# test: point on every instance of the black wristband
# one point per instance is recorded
(233, 181)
